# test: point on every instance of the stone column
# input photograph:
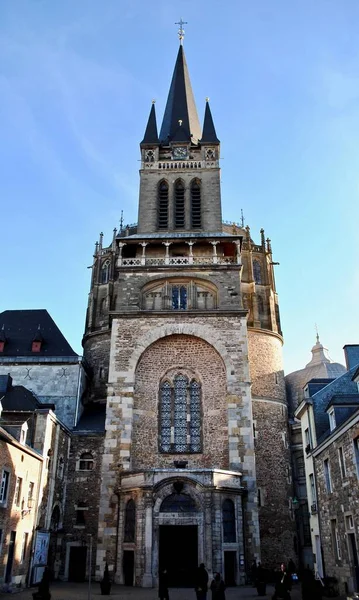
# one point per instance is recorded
(147, 580)
(238, 248)
(143, 258)
(215, 259)
(207, 533)
(120, 248)
(190, 256)
(167, 257)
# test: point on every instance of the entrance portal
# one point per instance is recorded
(77, 563)
(179, 553)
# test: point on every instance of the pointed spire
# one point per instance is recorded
(209, 133)
(151, 135)
(180, 107)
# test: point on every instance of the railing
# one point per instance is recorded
(177, 261)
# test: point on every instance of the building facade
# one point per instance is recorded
(184, 341)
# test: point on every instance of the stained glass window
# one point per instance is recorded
(179, 297)
(180, 415)
(178, 503)
(229, 522)
(130, 521)
(257, 274)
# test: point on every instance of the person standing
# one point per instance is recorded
(163, 585)
(218, 587)
(201, 582)
(283, 584)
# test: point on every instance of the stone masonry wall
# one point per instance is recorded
(274, 477)
(129, 285)
(82, 486)
(97, 353)
(56, 383)
(210, 198)
(130, 339)
(341, 503)
(198, 359)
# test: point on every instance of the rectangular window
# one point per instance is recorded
(356, 454)
(332, 422)
(4, 486)
(300, 466)
(24, 547)
(17, 496)
(343, 471)
(327, 476)
(308, 439)
(335, 539)
(30, 495)
(313, 492)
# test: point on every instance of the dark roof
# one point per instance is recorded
(151, 135)
(92, 419)
(209, 133)
(343, 400)
(22, 326)
(180, 107)
(19, 398)
(5, 383)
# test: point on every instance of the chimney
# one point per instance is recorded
(351, 353)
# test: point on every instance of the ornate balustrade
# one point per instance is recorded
(165, 165)
(177, 261)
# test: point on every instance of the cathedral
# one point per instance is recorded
(184, 343)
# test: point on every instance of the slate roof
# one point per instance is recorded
(19, 399)
(180, 107)
(92, 419)
(151, 135)
(209, 133)
(344, 400)
(21, 327)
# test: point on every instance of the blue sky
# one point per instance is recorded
(76, 84)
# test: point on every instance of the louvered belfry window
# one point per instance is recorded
(163, 205)
(180, 415)
(179, 205)
(196, 205)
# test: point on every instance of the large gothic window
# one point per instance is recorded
(163, 205)
(180, 415)
(229, 522)
(105, 272)
(257, 272)
(196, 204)
(130, 521)
(179, 205)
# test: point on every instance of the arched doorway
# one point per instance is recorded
(178, 538)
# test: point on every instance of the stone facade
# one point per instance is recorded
(59, 382)
(338, 508)
(183, 297)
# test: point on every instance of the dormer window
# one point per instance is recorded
(2, 339)
(332, 422)
(23, 433)
(37, 341)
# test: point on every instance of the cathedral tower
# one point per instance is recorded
(183, 336)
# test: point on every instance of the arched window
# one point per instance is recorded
(179, 205)
(178, 503)
(257, 271)
(180, 416)
(229, 522)
(86, 462)
(55, 519)
(130, 521)
(105, 272)
(60, 468)
(163, 205)
(196, 204)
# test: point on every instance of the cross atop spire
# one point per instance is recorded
(181, 31)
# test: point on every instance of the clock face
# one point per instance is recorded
(180, 152)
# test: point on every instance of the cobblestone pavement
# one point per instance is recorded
(79, 591)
